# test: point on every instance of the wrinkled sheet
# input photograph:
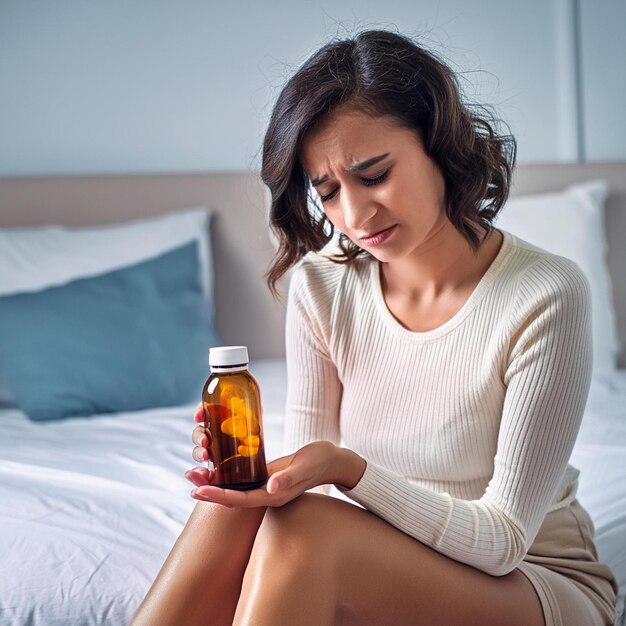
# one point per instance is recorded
(90, 508)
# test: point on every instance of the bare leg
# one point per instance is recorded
(200, 580)
(319, 560)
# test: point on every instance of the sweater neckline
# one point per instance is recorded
(483, 286)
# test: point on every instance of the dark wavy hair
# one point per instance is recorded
(381, 73)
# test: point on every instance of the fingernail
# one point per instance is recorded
(275, 486)
(197, 496)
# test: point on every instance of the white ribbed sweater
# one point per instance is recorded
(466, 429)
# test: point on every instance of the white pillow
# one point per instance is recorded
(570, 223)
(35, 258)
(39, 257)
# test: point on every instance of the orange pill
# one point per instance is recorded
(247, 450)
(252, 441)
(238, 407)
(235, 427)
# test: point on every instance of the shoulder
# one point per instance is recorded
(316, 286)
(542, 275)
(318, 280)
(550, 315)
(552, 295)
(319, 288)
(317, 271)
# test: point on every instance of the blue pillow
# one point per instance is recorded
(134, 338)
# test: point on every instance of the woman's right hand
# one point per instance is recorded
(201, 453)
(200, 436)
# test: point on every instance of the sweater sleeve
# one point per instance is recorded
(313, 386)
(547, 379)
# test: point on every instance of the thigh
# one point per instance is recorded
(201, 577)
(383, 576)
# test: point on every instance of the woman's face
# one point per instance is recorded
(373, 175)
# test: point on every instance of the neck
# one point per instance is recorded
(444, 263)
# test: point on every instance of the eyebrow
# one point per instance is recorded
(357, 167)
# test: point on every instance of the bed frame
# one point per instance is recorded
(245, 311)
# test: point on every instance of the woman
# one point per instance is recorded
(452, 358)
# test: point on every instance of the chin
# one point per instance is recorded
(384, 256)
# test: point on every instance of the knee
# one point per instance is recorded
(297, 537)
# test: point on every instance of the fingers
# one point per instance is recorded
(279, 464)
(200, 455)
(230, 497)
(292, 472)
(283, 485)
(200, 436)
(279, 479)
(198, 415)
(200, 476)
(245, 499)
(289, 476)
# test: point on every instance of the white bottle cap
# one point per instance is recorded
(228, 356)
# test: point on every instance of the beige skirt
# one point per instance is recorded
(562, 565)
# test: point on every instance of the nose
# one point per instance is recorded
(357, 208)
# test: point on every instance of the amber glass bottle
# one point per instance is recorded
(232, 412)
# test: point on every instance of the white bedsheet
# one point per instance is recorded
(89, 508)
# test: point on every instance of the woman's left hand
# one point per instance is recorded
(317, 463)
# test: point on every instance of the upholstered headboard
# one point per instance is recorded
(245, 311)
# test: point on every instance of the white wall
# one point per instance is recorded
(603, 45)
(152, 86)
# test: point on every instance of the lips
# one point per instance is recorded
(375, 234)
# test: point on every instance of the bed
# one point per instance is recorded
(90, 506)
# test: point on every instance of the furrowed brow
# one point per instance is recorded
(357, 167)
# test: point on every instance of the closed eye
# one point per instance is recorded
(366, 181)
(375, 181)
